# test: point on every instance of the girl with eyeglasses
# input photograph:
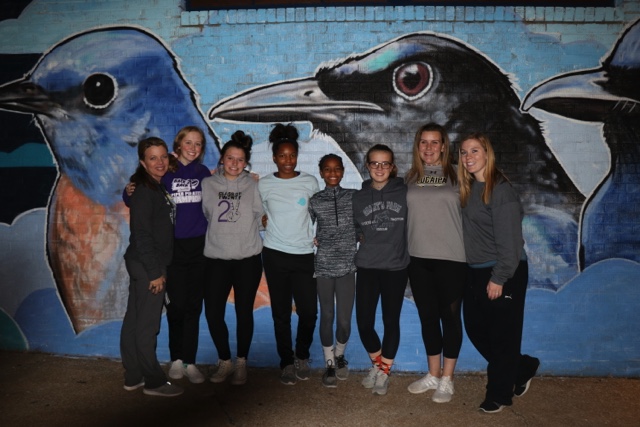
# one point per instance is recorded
(380, 216)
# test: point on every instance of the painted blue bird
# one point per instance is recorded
(94, 96)
(385, 94)
(609, 94)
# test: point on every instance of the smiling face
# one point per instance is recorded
(156, 161)
(380, 165)
(473, 157)
(233, 162)
(332, 172)
(190, 148)
(431, 147)
(286, 159)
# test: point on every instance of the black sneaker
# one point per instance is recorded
(342, 368)
(491, 407)
(329, 378)
(532, 369)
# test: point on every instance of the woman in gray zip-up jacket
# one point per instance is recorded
(335, 270)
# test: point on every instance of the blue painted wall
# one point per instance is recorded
(579, 321)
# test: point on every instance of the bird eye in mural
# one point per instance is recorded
(94, 96)
(384, 95)
(609, 94)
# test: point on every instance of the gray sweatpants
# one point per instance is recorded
(343, 289)
(140, 329)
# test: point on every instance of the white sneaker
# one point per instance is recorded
(175, 371)
(370, 380)
(192, 372)
(225, 368)
(240, 372)
(428, 382)
(444, 391)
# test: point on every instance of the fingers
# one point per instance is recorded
(157, 286)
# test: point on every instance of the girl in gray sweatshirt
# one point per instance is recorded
(231, 202)
(380, 215)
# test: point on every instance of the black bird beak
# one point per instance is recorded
(26, 97)
(582, 95)
(293, 100)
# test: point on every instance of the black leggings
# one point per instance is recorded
(437, 287)
(185, 288)
(244, 276)
(388, 287)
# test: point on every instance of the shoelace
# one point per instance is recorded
(341, 362)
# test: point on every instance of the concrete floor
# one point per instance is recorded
(47, 390)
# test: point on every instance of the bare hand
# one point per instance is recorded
(264, 221)
(494, 291)
(156, 286)
(130, 188)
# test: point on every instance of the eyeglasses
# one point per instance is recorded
(383, 165)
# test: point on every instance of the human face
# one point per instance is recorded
(332, 172)
(156, 161)
(474, 158)
(431, 147)
(233, 162)
(190, 148)
(286, 159)
(379, 175)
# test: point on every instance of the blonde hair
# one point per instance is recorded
(492, 176)
(182, 133)
(416, 172)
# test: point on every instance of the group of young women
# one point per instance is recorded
(454, 234)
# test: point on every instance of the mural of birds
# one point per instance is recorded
(95, 95)
(386, 93)
(609, 94)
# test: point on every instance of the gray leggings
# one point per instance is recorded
(343, 288)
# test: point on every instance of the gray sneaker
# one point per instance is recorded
(370, 380)
(382, 384)
(225, 368)
(329, 378)
(165, 390)
(240, 372)
(303, 370)
(135, 386)
(342, 368)
(288, 375)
